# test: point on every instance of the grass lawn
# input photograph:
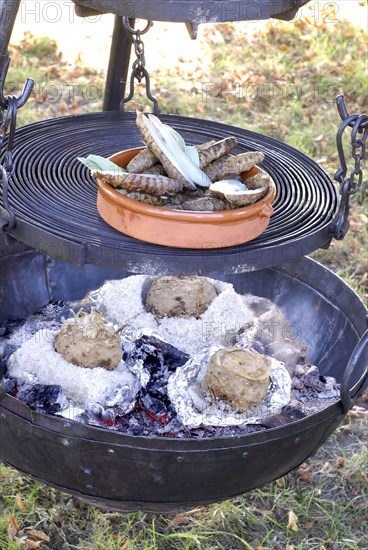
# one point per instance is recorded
(280, 81)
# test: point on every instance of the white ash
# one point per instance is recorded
(123, 303)
(38, 357)
(196, 407)
(71, 412)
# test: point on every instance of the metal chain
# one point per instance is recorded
(8, 120)
(7, 128)
(139, 71)
(349, 184)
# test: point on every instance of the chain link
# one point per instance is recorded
(8, 120)
(7, 128)
(349, 184)
(140, 62)
(139, 71)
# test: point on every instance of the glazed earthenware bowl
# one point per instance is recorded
(178, 228)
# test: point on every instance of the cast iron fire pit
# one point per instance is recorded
(165, 475)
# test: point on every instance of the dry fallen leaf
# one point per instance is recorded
(29, 544)
(184, 516)
(19, 502)
(356, 227)
(280, 482)
(290, 547)
(39, 535)
(305, 473)
(292, 521)
(179, 519)
(13, 527)
(124, 546)
(358, 412)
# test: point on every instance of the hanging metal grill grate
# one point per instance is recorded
(54, 198)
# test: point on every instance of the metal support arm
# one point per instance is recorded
(8, 14)
(117, 72)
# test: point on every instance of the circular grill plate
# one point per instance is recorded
(54, 198)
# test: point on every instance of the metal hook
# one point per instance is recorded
(344, 114)
(26, 92)
(349, 120)
(148, 92)
(136, 31)
(7, 217)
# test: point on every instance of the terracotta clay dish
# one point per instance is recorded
(178, 228)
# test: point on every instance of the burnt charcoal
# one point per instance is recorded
(152, 406)
(108, 419)
(233, 431)
(122, 423)
(294, 411)
(297, 383)
(4, 357)
(4, 330)
(312, 379)
(160, 359)
(156, 353)
(278, 420)
(135, 427)
(299, 371)
(174, 428)
(122, 400)
(3, 368)
(258, 347)
(157, 385)
(200, 433)
(11, 386)
(41, 398)
(96, 415)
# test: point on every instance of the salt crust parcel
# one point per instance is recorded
(38, 357)
(122, 302)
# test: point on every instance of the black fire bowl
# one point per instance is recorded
(128, 473)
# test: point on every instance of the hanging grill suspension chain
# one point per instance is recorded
(139, 71)
(8, 119)
(349, 184)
